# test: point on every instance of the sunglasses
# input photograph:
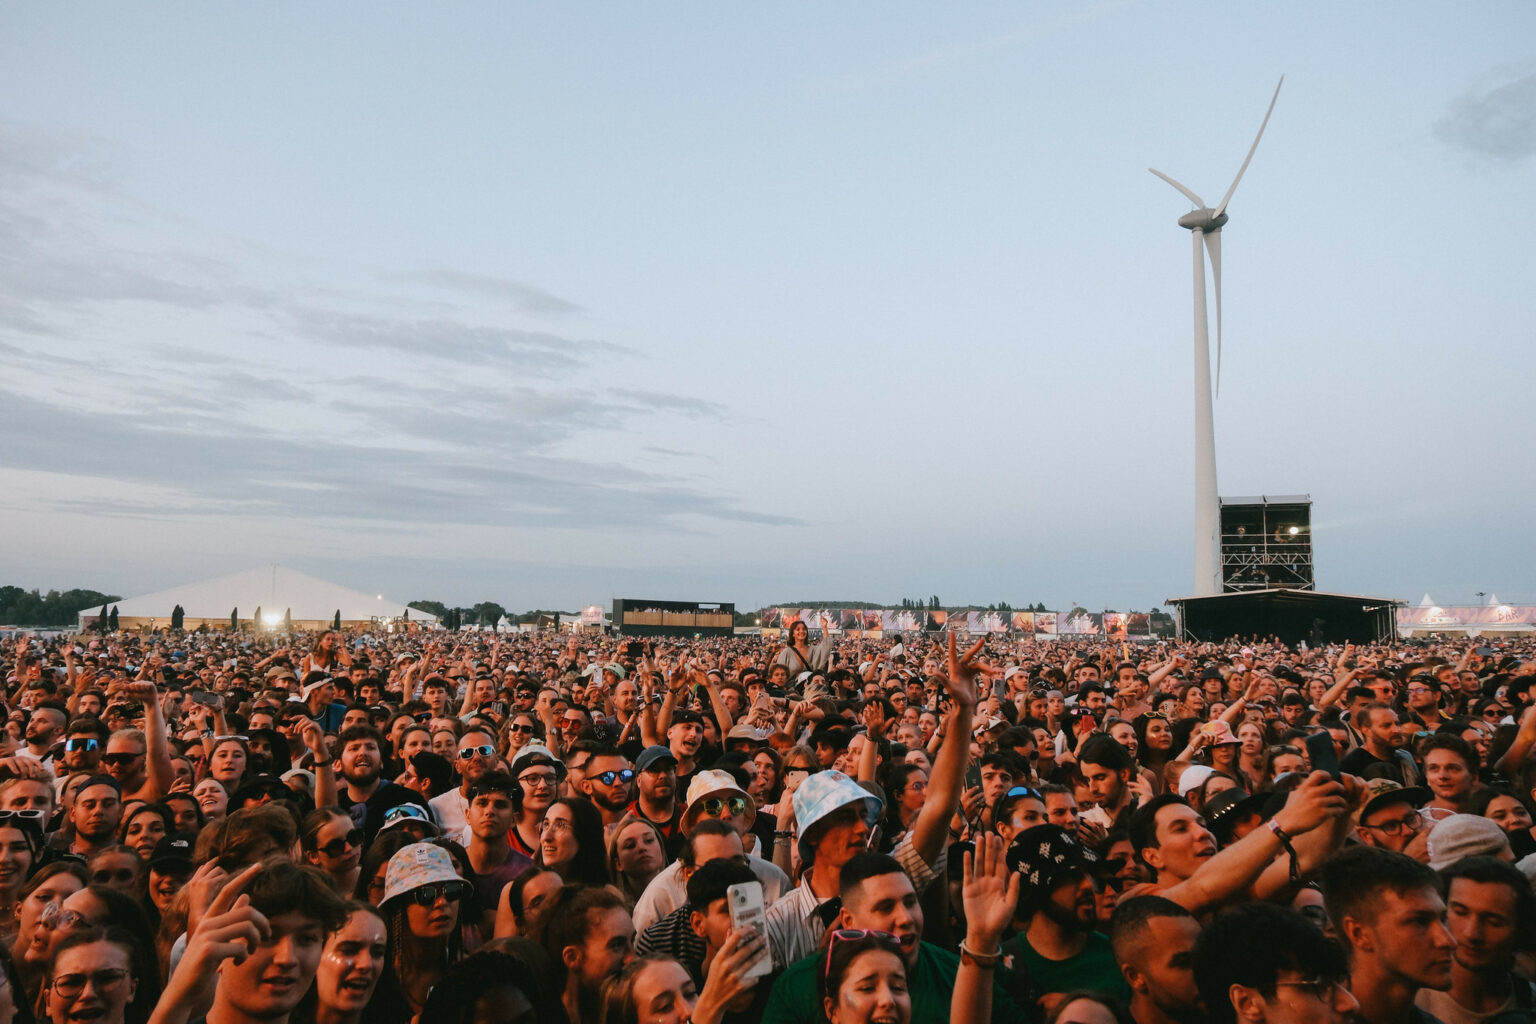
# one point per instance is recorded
(1024, 791)
(86, 743)
(337, 847)
(716, 804)
(422, 717)
(119, 759)
(625, 775)
(528, 729)
(404, 811)
(484, 750)
(426, 895)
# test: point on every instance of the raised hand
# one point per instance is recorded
(990, 893)
(960, 680)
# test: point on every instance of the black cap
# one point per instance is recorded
(175, 850)
(1224, 810)
(1048, 854)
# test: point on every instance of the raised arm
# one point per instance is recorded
(157, 763)
(990, 893)
(1514, 758)
(1231, 873)
(932, 824)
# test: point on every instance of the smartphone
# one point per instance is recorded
(211, 700)
(746, 903)
(973, 776)
(1320, 752)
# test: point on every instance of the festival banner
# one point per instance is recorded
(1138, 624)
(901, 621)
(1115, 624)
(772, 618)
(1046, 622)
(849, 619)
(986, 622)
(1083, 624)
(1503, 613)
(936, 619)
(873, 619)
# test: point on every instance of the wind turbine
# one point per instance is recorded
(1205, 226)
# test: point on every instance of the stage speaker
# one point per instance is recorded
(1266, 543)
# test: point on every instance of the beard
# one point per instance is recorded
(1077, 918)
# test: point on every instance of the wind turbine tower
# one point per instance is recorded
(1205, 226)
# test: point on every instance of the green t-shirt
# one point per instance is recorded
(1093, 970)
(793, 999)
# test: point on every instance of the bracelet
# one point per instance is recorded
(1285, 841)
(985, 961)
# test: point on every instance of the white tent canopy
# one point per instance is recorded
(275, 590)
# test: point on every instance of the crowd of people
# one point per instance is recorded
(431, 827)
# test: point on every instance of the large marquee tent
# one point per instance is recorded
(308, 602)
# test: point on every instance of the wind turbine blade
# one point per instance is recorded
(1213, 249)
(1228, 197)
(1199, 203)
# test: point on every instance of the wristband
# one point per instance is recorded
(985, 961)
(1285, 841)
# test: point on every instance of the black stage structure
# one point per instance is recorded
(635, 617)
(1291, 615)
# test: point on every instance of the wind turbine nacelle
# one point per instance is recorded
(1203, 220)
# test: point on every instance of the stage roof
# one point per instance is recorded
(1291, 615)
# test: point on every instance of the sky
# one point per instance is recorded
(549, 304)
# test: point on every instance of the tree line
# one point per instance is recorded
(20, 607)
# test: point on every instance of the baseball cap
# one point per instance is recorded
(172, 851)
(1048, 854)
(650, 755)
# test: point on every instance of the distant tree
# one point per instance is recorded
(432, 608)
(288, 620)
(112, 619)
(336, 622)
(487, 613)
(234, 620)
(256, 622)
(101, 620)
(178, 616)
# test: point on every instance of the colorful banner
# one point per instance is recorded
(1464, 616)
(870, 622)
(986, 622)
(1082, 624)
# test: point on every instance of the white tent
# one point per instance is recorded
(311, 603)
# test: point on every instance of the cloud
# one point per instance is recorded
(1499, 123)
(521, 296)
(535, 352)
(657, 401)
(147, 353)
(225, 468)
